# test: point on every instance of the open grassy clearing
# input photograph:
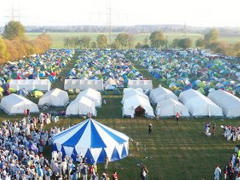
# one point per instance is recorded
(173, 151)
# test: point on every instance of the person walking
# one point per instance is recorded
(150, 128)
(177, 116)
(217, 173)
(144, 173)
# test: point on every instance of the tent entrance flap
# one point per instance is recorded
(139, 111)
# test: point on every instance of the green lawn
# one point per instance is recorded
(173, 151)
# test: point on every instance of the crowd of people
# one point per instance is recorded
(21, 153)
(231, 133)
(232, 169)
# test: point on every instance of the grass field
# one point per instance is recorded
(172, 152)
(58, 38)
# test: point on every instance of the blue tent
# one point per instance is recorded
(92, 140)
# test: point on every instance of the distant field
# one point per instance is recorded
(139, 37)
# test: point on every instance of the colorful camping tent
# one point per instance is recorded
(92, 140)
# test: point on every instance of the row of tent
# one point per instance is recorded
(218, 103)
(104, 65)
(190, 69)
(85, 103)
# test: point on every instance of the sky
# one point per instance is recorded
(206, 13)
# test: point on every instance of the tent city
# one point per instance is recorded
(119, 90)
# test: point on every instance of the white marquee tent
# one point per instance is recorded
(92, 94)
(81, 106)
(169, 107)
(133, 102)
(83, 84)
(144, 84)
(16, 104)
(127, 92)
(228, 102)
(198, 104)
(30, 84)
(55, 97)
(160, 94)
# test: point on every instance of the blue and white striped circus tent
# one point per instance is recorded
(92, 140)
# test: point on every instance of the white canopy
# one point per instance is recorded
(228, 102)
(131, 103)
(130, 92)
(30, 84)
(161, 94)
(144, 84)
(16, 104)
(170, 107)
(83, 84)
(55, 97)
(92, 94)
(81, 106)
(198, 104)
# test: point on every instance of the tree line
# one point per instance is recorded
(15, 45)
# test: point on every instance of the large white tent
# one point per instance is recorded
(198, 104)
(30, 84)
(83, 84)
(127, 92)
(170, 107)
(16, 104)
(92, 140)
(92, 94)
(144, 84)
(81, 106)
(160, 94)
(55, 97)
(228, 102)
(131, 103)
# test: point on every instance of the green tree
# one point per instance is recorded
(157, 39)
(211, 37)
(93, 45)
(185, 43)
(200, 43)
(122, 40)
(175, 43)
(101, 41)
(138, 45)
(86, 41)
(13, 29)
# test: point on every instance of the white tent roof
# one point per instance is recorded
(55, 97)
(131, 103)
(131, 92)
(15, 104)
(92, 140)
(144, 84)
(198, 104)
(30, 84)
(92, 94)
(160, 94)
(170, 107)
(83, 84)
(228, 102)
(81, 106)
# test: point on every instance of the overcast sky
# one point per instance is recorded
(211, 13)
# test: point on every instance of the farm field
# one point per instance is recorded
(173, 151)
(58, 37)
